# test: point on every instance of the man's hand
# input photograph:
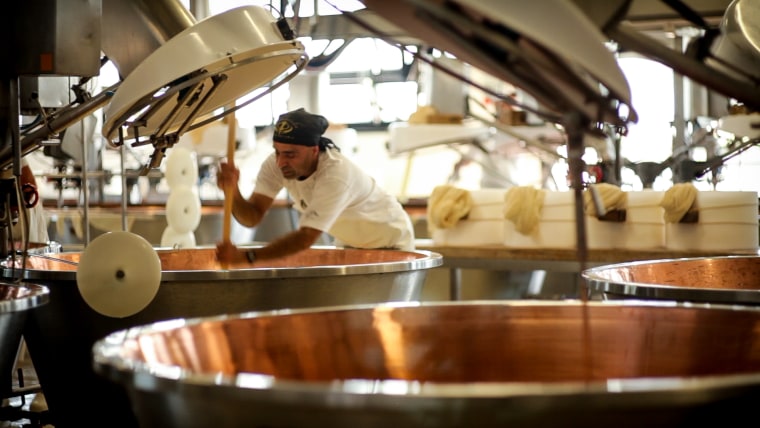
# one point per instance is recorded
(227, 176)
(227, 252)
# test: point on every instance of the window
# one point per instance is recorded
(368, 84)
(651, 138)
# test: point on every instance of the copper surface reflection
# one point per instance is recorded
(193, 285)
(726, 279)
(718, 272)
(390, 334)
(466, 343)
(198, 259)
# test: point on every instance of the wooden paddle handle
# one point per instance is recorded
(229, 194)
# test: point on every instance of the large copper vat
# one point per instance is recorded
(16, 301)
(61, 335)
(722, 279)
(445, 364)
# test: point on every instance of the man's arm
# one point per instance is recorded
(288, 244)
(249, 212)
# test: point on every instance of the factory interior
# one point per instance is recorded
(581, 178)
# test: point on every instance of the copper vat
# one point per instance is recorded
(723, 279)
(16, 301)
(60, 337)
(444, 364)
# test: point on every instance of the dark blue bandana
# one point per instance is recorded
(300, 127)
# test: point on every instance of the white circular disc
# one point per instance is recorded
(183, 209)
(172, 238)
(119, 274)
(181, 167)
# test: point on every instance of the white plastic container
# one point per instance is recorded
(604, 234)
(471, 233)
(556, 225)
(644, 227)
(484, 225)
(728, 221)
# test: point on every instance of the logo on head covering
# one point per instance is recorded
(283, 127)
(300, 127)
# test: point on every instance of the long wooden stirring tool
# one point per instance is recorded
(229, 194)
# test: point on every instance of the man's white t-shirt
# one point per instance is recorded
(342, 200)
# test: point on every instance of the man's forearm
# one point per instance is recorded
(288, 244)
(244, 211)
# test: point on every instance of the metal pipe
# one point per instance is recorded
(123, 182)
(180, 104)
(217, 81)
(68, 116)
(85, 189)
(575, 125)
(679, 113)
(13, 126)
(626, 36)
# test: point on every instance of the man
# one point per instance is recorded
(331, 193)
(33, 215)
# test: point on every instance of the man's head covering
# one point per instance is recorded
(302, 128)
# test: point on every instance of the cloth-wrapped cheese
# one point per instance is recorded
(447, 205)
(677, 201)
(523, 206)
(610, 195)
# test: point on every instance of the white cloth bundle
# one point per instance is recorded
(523, 205)
(612, 198)
(447, 205)
(677, 201)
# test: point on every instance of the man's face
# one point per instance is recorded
(296, 161)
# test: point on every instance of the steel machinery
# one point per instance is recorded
(176, 74)
(60, 337)
(571, 71)
(444, 364)
(556, 50)
(479, 363)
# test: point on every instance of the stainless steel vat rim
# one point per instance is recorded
(170, 378)
(639, 290)
(428, 261)
(595, 269)
(38, 295)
